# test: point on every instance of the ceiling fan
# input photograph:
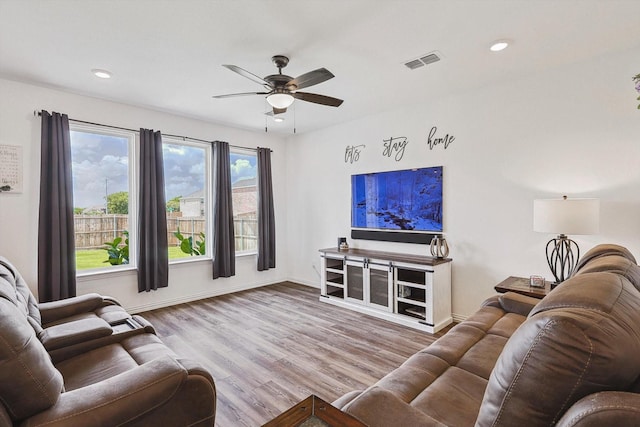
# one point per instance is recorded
(282, 90)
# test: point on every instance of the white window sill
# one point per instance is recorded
(88, 275)
(99, 274)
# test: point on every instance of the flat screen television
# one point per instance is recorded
(404, 200)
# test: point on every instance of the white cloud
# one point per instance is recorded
(241, 169)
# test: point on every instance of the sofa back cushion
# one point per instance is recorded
(604, 250)
(15, 289)
(582, 338)
(610, 258)
(29, 383)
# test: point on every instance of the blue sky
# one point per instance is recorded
(101, 164)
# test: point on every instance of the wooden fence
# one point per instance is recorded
(91, 231)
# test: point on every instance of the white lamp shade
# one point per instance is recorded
(280, 100)
(566, 216)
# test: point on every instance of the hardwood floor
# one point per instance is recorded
(270, 347)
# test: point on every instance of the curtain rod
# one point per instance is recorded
(38, 114)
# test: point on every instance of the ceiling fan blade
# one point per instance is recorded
(276, 111)
(318, 99)
(231, 95)
(250, 76)
(309, 79)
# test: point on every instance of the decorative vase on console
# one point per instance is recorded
(439, 247)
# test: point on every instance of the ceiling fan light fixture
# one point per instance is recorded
(278, 119)
(280, 100)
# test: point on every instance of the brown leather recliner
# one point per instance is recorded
(126, 378)
(66, 322)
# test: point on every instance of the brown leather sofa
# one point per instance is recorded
(86, 362)
(570, 359)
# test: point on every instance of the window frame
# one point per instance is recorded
(247, 152)
(207, 196)
(133, 139)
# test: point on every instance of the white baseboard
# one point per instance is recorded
(305, 282)
(203, 295)
(458, 318)
(195, 297)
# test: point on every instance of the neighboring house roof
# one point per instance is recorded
(245, 197)
(194, 195)
(99, 208)
(245, 182)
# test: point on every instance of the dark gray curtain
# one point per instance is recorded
(224, 249)
(153, 257)
(56, 246)
(266, 219)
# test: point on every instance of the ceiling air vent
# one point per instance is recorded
(426, 59)
(416, 63)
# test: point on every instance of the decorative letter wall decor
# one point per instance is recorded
(352, 153)
(395, 145)
(432, 141)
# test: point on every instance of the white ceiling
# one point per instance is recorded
(167, 55)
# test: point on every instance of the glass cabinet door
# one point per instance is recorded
(380, 287)
(355, 281)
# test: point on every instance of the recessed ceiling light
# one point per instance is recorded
(499, 45)
(103, 74)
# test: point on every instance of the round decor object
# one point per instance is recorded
(439, 247)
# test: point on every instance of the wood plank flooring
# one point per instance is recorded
(271, 347)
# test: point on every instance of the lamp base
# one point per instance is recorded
(562, 256)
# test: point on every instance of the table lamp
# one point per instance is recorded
(565, 216)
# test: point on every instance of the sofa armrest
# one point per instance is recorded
(608, 408)
(75, 332)
(346, 398)
(116, 400)
(120, 333)
(516, 303)
(56, 310)
(387, 409)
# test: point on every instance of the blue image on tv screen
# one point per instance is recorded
(398, 200)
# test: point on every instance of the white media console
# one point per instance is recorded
(411, 290)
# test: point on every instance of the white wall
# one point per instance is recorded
(19, 212)
(573, 130)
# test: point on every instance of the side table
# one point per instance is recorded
(520, 285)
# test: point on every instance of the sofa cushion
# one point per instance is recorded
(602, 251)
(454, 398)
(444, 382)
(565, 351)
(110, 360)
(29, 383)
(613, 264)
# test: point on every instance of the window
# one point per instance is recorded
(245, 199)
(102, 195)
(186, 167)
(105, 197)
